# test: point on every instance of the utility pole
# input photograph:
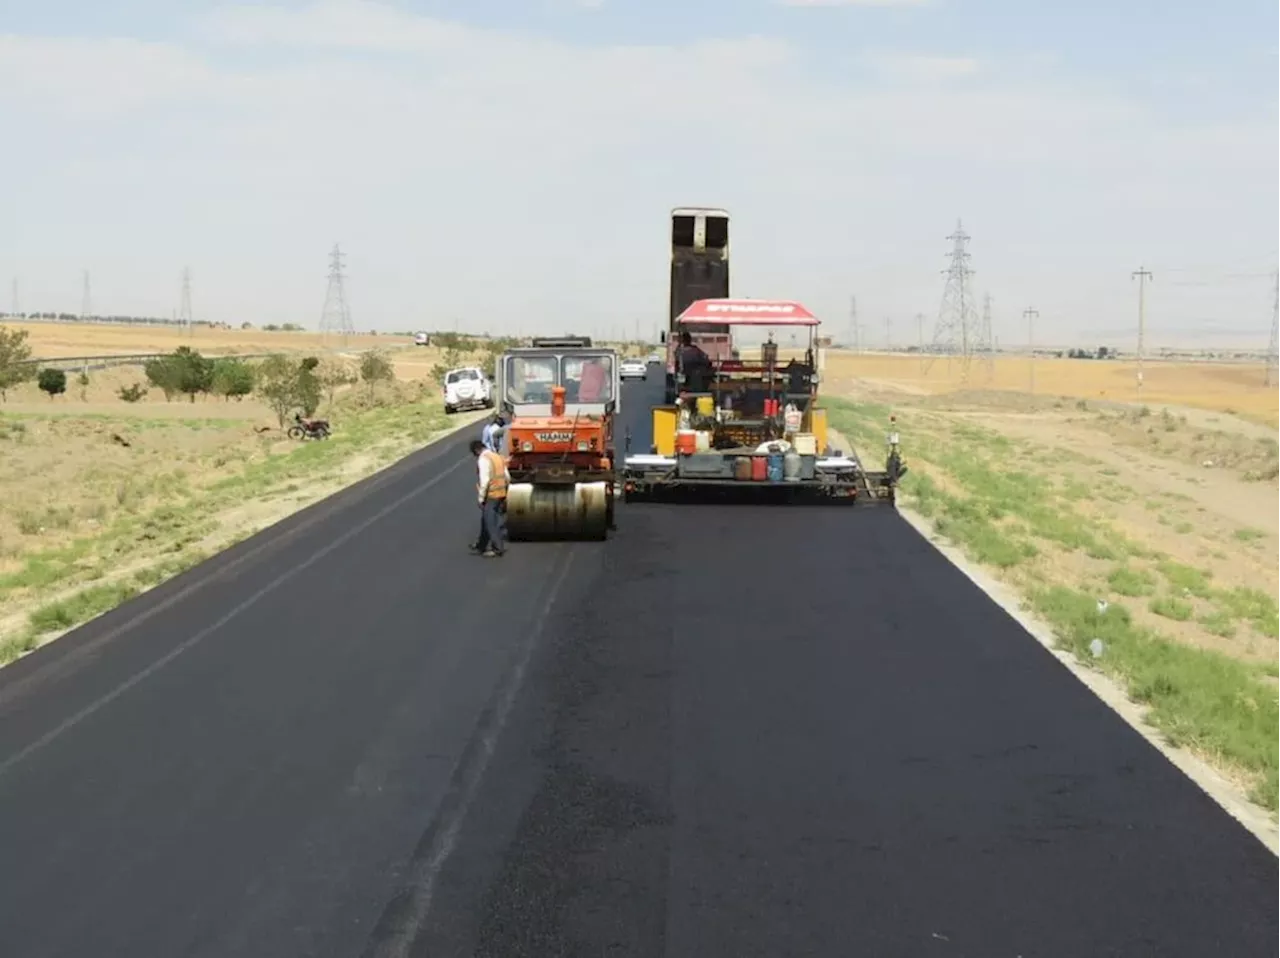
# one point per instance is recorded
(1275, 330)
(86, 301)
(17, 306)
(920, 339)
(1031, 315)
(853, 323)
(186, 301)
(1143, 275)
(888, 334)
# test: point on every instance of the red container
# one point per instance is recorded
(759, 468)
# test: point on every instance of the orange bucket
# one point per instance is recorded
(686, 442)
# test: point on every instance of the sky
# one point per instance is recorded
(509, 166)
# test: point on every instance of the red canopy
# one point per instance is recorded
(748, 312)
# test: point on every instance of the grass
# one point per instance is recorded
(979, 490)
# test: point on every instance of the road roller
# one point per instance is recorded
(561, 396)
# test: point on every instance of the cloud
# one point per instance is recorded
(496, 175)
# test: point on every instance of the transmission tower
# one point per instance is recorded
(1142, 274)
(1275, 330)
(86, 301)
(986, 342)
(184, 311)
(954, 332)
(336, 316)
(1031, 314)
(853, 324)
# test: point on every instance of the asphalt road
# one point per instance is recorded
(730, 731)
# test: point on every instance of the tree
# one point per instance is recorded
(52, 381)
(83, 382)
(308, 386)
(14, 353)
(334, 373)
(278, 385)
(194, 373)
(162, 373)
(231, 377)
(375, 368)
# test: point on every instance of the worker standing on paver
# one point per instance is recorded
(492, 479)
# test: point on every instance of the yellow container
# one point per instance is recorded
(665, 419)
(706, 406)
(818, 420)
(806, 444)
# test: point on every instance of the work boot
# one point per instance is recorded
(490, 554)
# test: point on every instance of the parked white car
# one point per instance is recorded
(633, 369)
(421, 339)
(467, 388)
(655, 359)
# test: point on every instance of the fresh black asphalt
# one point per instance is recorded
(729, 731)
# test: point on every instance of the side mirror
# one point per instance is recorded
(662, 337)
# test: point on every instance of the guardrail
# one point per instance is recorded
(87, 363)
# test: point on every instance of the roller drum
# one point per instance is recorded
(557, 512)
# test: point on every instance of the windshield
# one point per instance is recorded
(530, 378)
(588, 379)
(460, 374)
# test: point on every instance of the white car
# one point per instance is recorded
(633, 369)
(655, 359)
(421, 339)
(467, 388)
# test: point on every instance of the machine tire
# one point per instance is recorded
(296, 432)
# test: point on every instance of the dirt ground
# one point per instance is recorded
(1231, 388)
(57, 340)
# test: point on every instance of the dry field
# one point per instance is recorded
(103, 498)
(56, 340)
(1165, 514)
(1235, 388)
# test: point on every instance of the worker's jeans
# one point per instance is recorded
(493, 526)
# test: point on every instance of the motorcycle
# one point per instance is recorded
(309, 428)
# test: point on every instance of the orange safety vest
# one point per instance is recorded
(498, 477)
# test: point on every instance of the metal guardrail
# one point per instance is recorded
(87, 363)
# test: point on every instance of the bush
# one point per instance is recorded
(52, 381)
(132, 393)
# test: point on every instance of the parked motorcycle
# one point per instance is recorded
(308, 428)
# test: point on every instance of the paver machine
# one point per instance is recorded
(561, 395)
(754, 424)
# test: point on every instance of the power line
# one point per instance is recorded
(336, 316)
(1143, 275)
(1031, 315)
(1275, 330)
(955, 327)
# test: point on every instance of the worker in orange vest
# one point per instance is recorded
(492, 479)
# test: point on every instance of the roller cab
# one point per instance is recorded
(562, 396)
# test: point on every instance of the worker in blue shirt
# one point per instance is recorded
(493, 432)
